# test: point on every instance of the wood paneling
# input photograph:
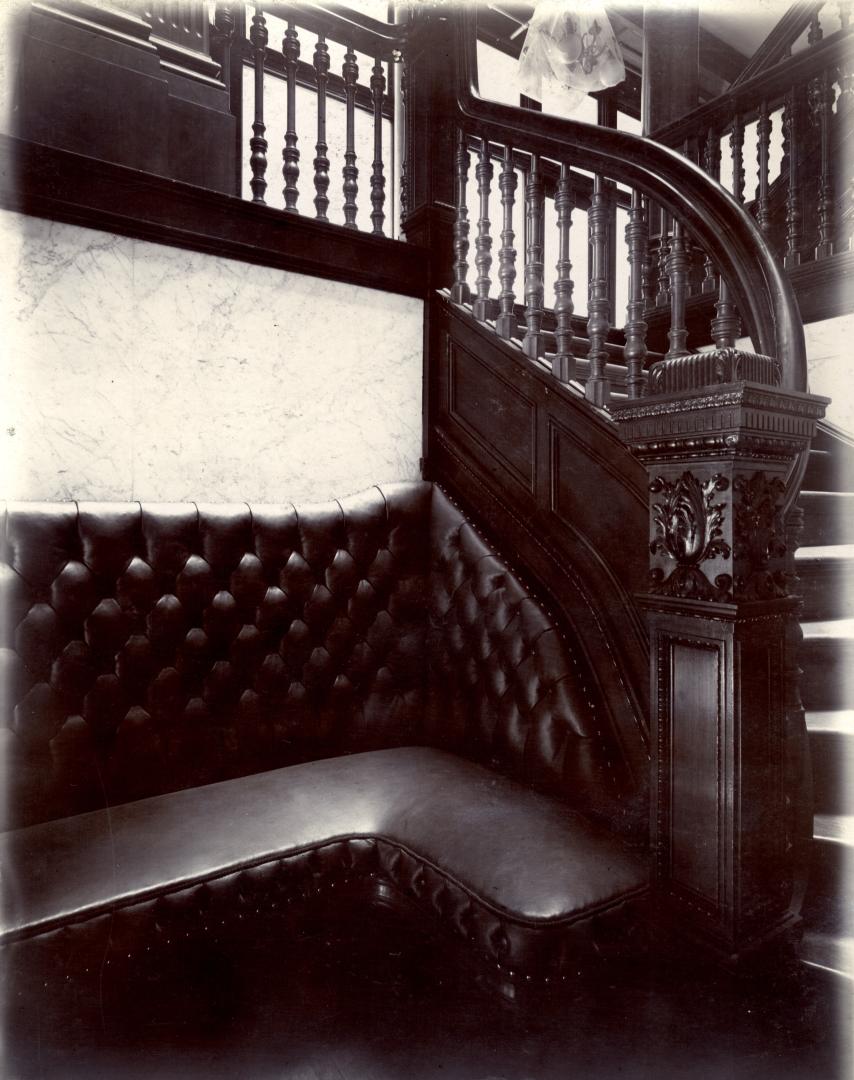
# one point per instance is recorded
(532, 462)
(492, 411)
(694, 675)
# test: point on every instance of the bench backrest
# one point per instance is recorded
(147, 648)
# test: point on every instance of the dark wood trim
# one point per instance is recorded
(56, 184)
(776, 45)
(717, 56)
(344, 25)
(578, 558)
(825, 287)
(770, 85)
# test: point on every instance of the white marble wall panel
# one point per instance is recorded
(141, 371)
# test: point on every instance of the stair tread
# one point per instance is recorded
(829, 628)
(828, 552)
(833, 952)
(838, 828)
(831, 720)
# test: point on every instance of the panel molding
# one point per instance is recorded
(60, 185)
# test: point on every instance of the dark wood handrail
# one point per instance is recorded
(777, 44)
(718, 222)
(342, 24)
(770, 85)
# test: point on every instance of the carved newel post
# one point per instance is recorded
(719, 439)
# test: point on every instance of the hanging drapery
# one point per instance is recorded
(570, 51)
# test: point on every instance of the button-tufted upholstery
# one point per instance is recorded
(150, 649)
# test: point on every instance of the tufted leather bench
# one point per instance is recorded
(209, 707)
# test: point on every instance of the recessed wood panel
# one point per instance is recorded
(586, 492)
(695, 767)
(492, 411)
(762, 862)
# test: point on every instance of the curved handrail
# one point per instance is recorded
(721, 225)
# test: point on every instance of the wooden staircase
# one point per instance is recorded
(825, 565)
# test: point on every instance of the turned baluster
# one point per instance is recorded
(815, 33)
(677, 269)
(597, 388)
(662, 295)
(712, 165)
(763, 145)
(845, 71)
(404, 164)
(258, 144)
(321, 161)
(791, 123)
(635, 328)
(290, 153)
(648, 260)
(483, 243)
(737, 150)
(350, 71)
(563, 364)
(460, 292)
(505, 324)
(377, 178)
(532, 343)
(222, 40)
(822, 96)
(726, 326)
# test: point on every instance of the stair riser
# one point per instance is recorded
(827, 907)
(827, 472)
(832, 754)
(826, 589)
(828, 673)
(828, 519)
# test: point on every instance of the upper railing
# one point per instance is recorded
(319, 80)
(776, 138)
(652, 173)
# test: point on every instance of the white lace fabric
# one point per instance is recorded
(570, 51)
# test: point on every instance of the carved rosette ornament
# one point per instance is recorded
(721, 441)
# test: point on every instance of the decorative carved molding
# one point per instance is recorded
(688, 528)
(758, 536)
(728, 365)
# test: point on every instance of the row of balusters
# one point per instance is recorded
(825, 102)
(672, 248)
(813, 104)
(662, 260)
(258, 144)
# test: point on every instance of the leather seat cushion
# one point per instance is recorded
(451, 828)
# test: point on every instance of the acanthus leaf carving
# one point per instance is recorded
(688, 528)
(759, 536)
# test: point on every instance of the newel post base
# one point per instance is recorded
(719, 607)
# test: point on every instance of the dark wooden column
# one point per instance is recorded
(431, 138)
(718, 439)
(671, 63)
(88, 74)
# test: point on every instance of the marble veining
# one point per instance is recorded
(140, 371)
